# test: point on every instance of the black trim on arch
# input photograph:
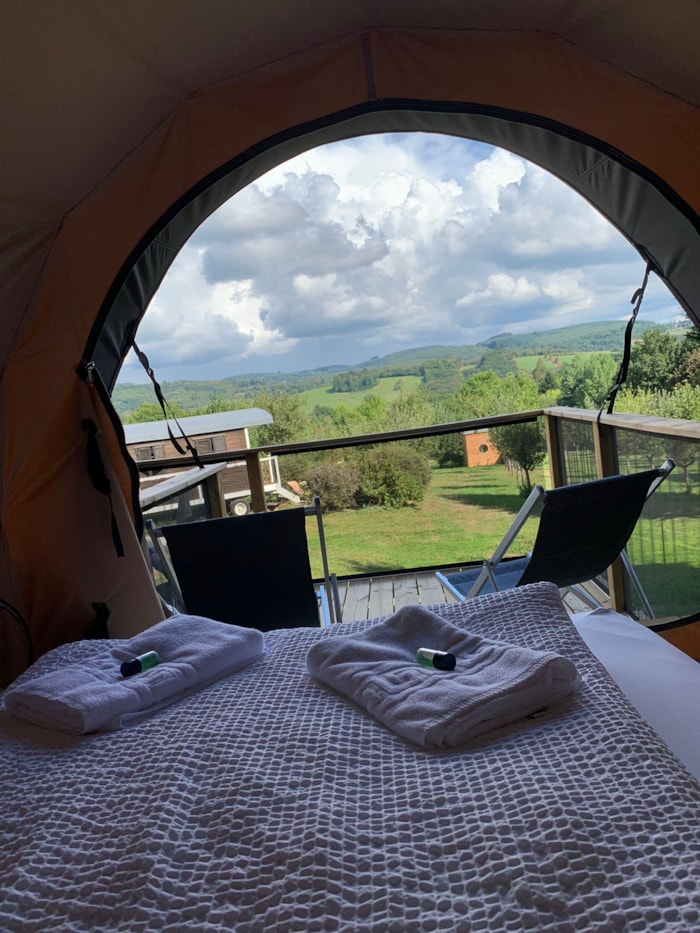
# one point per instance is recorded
(641, 205)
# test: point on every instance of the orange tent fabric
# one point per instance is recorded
(124, 124)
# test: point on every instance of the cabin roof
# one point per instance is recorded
(149, 431)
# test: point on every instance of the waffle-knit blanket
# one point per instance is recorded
(268, 804)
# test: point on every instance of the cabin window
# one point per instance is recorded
(210, 445)
(152, 452)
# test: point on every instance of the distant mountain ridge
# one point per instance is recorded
(606, 336)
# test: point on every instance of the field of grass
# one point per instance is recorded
(465, 513)
(527, 364)
(389, 389)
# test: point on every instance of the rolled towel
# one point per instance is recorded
(194, 652)
(492, 685)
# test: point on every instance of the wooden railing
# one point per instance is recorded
(603, 427)
(252, 455)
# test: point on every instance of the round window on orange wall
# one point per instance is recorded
(483, 448)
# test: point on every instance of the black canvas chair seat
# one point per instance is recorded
(582, 529)
(251, 570)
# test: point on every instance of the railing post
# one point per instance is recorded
(255, 481)
(217, 503)
(607, 465)
(605, 447)
(552, 433)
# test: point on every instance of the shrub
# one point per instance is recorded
(448, 450)
(337, 484)
(393, 476)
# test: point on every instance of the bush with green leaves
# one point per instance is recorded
(448, 450)
(336, 483)
(392, 476)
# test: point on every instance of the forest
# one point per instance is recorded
(663, 379)
(500, 354)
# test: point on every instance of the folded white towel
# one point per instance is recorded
(194, 652)
(492, 685)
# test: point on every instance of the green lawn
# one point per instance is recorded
(389, 389)
(527, 363)
(464, 514)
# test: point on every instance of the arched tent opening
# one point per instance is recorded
(639, 204)
(106, 178)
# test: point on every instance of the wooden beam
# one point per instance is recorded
(217, 503)
(557, 466)
(605, 446)
(255, 481)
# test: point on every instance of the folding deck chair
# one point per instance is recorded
(582, 529)
(250, 570)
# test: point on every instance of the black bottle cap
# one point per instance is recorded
(444, 661)
(129, 668)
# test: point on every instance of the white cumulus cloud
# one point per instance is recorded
(380, 243)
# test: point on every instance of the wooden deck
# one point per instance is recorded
(370, 597)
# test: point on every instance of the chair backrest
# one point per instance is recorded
(250, 570)
(584, 527)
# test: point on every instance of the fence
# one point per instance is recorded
(581, 445)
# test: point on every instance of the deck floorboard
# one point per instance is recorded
(372, 597)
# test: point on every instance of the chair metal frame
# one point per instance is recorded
(488, 576)
(327, 592)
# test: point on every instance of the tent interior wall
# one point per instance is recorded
(126, 125)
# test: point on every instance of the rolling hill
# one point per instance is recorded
(605, 336)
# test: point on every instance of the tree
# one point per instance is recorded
(546, 377)
(688, 372)
(290, 421)
(654, 360)
(480, 395)
(586, 380)
(151, 411)
(499, 361)
(524, 444)
(369, 416)
(486, 393)
(354, 381)
(442, 376)
(684, 403)
(691, 339)
(540, 371)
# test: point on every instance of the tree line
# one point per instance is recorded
(663, 379)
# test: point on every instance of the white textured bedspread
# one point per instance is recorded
(269, 803)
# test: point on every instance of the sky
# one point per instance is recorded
(382, 243)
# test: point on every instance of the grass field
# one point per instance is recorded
(388, 389)
(466, 512)
(527, 363)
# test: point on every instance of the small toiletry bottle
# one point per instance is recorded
(143, 662)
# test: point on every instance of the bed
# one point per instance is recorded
(268, 802)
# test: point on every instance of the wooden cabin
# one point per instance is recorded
(479, 449)
(215, 433)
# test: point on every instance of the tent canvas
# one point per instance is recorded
(126, 125)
